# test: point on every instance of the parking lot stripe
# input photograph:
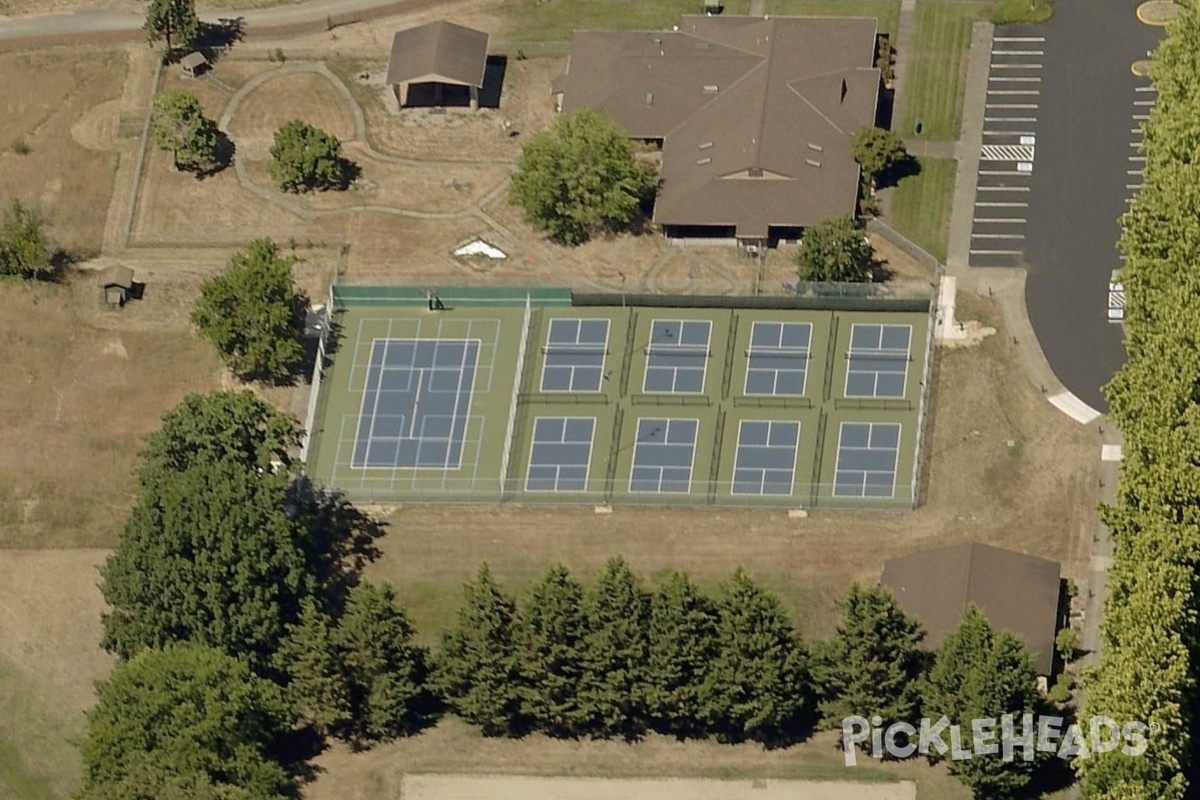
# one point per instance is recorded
(1002, 189)
(997, 236)
(1135, 130)
(1002, 205)
(1011, 105)
(998, 220)
(1019, 39)
(996, 252)
(1008, 133)
(1133, 186)
(1015, 80)
(1016, 66)
(1014, 91)
(1010, 119)
(1141, 116)
(1143, 102)
(1145, 89)
(1135, 172)
(1137, 158)
(1001, 172)
(996, 52)
(1135, 144)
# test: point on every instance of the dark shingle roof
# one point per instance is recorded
(1016, 592)
(439, 51)
(743, 104)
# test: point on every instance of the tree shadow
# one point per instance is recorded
(349, 172)
(226, 151)
(217, 38)
(907, 167)
(295, 752)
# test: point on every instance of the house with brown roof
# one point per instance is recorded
(1015, 591)
(754, 116)
(433, 63)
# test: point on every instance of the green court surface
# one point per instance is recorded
(538, 395)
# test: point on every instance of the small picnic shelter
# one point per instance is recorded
(116, 284)
(193, 65)
(435, 62)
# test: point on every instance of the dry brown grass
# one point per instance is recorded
(83, 387)
(305, 96)
(49, 660)
(453, 747)
(17, 8)
(44, 97)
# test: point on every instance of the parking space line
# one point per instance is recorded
(1002, 205)
(1002, 189)
(1145, 89)
(1008, 133)
(1019, 39)
(1014, 80)
(996, 52)
(1137, 158)
(996, 252)
(1135, 144)
(1135, 130)
(1135, 172)
(1010, 105)
(1010, 119)
(999, 220)
(1144, 102)
(986, 172)
(1141, 116)
(1016, 66)
(1014, 91)
(997, 236)
(1133, 186)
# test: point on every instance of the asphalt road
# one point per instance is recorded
(1078, 189)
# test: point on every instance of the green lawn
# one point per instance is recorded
(921, 205)
(937, 68)
(886, 11)
(553, 20)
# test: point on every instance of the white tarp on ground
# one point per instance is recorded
(480, 248)
(516, 787)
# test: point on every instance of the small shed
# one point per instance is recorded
(117, 285)
(193, 64)
(436, 56)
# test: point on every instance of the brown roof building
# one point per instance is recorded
(755, 115)
(440, 54)
(1016, 592)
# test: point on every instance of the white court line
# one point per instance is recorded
(1002, 189)
(1010, 105)
(998, 220)
(1019, 39)
(996, 252)
(1014, 91)
(997, 236)
(1074, 408)
(1002, 205)
(1014, 80)
(1010, 119)
(996, 52)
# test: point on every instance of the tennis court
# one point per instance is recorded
(538, 395)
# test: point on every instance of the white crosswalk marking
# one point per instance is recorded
(1006, 152)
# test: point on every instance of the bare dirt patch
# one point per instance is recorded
(49, 660)
(83, 387)
(42, 97)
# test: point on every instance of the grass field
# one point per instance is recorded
(937, 68)
(886, 11)
(48, 98)
(553, 20)
(921, 205)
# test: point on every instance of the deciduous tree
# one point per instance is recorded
(305, 159)
(24, 250)
(876, 150)
(253, 313)
(185, 721)
(178, 124)
(834, 250)
(580, 178)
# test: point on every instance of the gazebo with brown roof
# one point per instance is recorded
(116, 284)
(440, 54)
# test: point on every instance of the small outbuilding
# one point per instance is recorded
(117, 285)
(434, 63)
(1016, 592)
(193, 65)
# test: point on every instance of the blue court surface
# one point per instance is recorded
(416, 404)
(777, 363)
(677, 357)
(560, 454)
(663, 455)
(866, 459)
(574, 355)
(766, 457)
(879, 357)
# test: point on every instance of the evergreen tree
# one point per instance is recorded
(682, 646)
(874, 665)
(981, 673)
(476, 671)
(759, 685)
(385, 671)
(174, 20)
(613, 684)
(184, 722)
(550, 643)
(317, 687)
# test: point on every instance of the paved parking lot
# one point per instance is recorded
(1008, 154)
